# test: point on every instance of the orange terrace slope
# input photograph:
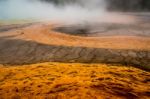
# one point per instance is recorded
(73, 80)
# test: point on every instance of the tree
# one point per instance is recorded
(120, 5)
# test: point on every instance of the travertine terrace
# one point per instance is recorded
(107, 43)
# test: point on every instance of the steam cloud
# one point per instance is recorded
(34, 9)
(81, 11)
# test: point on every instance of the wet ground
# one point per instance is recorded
(92, 43)
(64, 76)
(140, 28)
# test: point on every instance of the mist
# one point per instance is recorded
(34, 9)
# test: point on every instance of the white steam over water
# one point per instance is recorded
(34, 9)
(84, 10)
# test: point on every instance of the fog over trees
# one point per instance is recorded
(119, 5)
(129, 5)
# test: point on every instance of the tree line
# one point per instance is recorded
(119, 5)
(129, 5)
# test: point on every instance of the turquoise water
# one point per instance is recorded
(20, 9)
(3, 6)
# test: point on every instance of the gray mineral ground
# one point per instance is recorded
(18, 45)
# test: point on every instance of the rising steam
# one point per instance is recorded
(35, 9)
(81, 11)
